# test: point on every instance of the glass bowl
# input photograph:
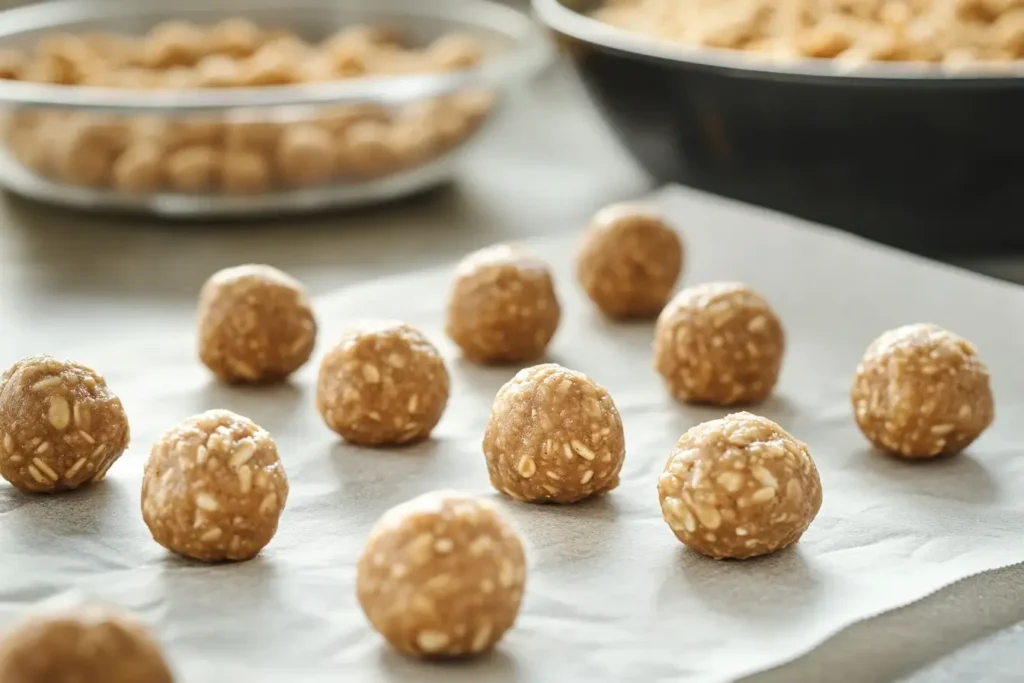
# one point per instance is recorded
(177, 145)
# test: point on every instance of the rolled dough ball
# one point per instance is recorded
(384, 383)
(364, 150)
(629, 261)
(719, 343)
(255, 324)
(245, 172)
(739, 487)
(61, 426)
(87, 644)
(554, 436)
(502, 307)
(192, 169)
(236, 37)
(305, 155)
(139, 169)
(921, 391)
(442, 575)
(214, 488)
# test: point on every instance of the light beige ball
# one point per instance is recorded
(442, 575)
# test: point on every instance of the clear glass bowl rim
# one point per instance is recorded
(530, 53)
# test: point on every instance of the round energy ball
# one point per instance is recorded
(305, 156)
(719, 343)
(60, 425)
(193, 169)
(87, 644)
(554, 436)
(442, 575)
(383, 383)
(214, 488)
(921, 391)
(629, 261)
(739, 487)
(502, 307)
(255, 324)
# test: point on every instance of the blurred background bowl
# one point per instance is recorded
(39, 116)
(906, 154)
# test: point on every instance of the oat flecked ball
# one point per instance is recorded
(442, 575)
(554, 436)
(60, 425)
(214, 488)
(383, 383)
(255, 324)
(921, 391)
(502, 307)
(629, 261)
(739, 487)
(86, 644)
(719, 343)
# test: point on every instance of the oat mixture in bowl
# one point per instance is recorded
(957, 33)
(222, 107)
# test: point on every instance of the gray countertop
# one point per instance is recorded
(543, 169)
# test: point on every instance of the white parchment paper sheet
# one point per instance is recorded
(611, 595)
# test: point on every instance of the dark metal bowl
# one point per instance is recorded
(903, 153)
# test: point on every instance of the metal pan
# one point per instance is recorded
(912, 155)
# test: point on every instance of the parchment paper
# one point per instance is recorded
(611, 595)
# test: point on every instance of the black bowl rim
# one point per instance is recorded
(570, 23)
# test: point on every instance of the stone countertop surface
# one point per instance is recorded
(544, 168)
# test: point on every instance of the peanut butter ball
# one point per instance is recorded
(719, 343)
(86, 644)
(442, 575)
(245, 172)
(255, 324)
(235, 37)
(739, 487)
(365, 150)
(214, 488)
(174, 44)
(218, 71)
(84, 151)
(256, 137)
(193, 169)
(383, 383)
(305, 155)
(629, 261)
(502, 307)
(554, 436)
(412, 141)
(921, 391)
(139, 170)
(60, 425)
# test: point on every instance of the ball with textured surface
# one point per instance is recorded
(719, 343)
(554, 435)
(86, 644)
(629, 261)
(60, 425)
(502, 307)
(255, 324)
(921, 391)
(739, 487)
(384, 383)
(214, 488)
(442, 575)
